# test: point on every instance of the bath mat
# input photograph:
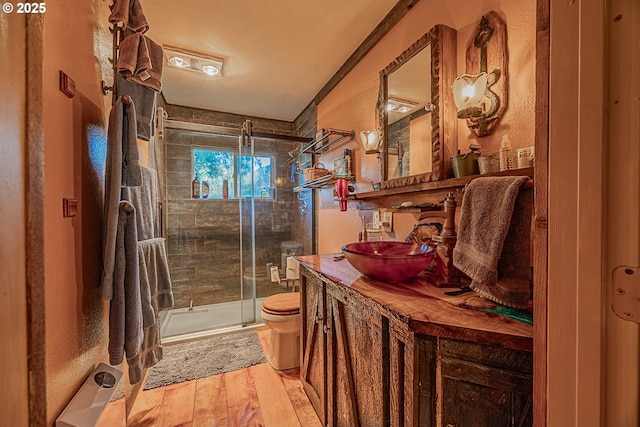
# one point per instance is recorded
(204, 358)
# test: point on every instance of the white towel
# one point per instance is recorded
(293, 268)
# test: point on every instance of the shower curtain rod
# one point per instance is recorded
(228, 131)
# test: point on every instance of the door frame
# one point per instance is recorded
(575, 303)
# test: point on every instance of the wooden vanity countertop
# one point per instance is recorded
(424, 308)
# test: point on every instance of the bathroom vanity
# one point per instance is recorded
(375, 353)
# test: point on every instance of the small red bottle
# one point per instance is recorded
(225, 189)
(342, 190)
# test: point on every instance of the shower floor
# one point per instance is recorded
(182, 324)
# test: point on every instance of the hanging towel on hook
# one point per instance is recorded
(122, 168)
(125, 309)
(144, 99)
(156, 295)
(140, 61)
(145, 199)
(129, 14)
(133, 56)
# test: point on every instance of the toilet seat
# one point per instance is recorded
(284, 304)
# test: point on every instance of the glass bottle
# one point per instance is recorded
(225, 189)
(205, 189)
(195, 188)
(507, 160)
(347, 162)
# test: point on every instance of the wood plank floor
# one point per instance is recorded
(254, 396)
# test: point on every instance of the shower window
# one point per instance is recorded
(215, 166)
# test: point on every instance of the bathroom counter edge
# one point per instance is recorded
(421, 307)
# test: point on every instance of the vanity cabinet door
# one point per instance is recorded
(484, 385)
(313, 348)
(355, 362)
(423, 378)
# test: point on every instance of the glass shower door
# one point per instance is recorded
(228, 207)
(246, 199)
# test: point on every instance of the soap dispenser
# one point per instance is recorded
(507, 158)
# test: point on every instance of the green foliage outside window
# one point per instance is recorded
(213, 167)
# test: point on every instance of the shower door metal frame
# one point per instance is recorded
(246, 142)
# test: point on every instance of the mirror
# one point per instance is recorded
(416, 111)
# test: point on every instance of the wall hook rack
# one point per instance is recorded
(106, 89)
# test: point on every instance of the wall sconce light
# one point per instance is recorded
(477, 103)
(185, 60)
(371, 141)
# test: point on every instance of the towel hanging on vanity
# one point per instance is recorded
(493, 246)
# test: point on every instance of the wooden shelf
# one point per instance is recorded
(451, 183)
(319, 145)
(413, 209)
(422, 193)
(322, 182)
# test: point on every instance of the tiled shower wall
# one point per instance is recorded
(203, 236)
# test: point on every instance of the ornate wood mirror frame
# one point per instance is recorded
(442, 40)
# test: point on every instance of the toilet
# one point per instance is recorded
(281, 314)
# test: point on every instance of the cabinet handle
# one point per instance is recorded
(317, 319)
(326, 329)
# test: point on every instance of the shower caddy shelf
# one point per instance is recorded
(316, 146)
(322, 182)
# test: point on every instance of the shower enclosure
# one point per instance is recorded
(228, 205)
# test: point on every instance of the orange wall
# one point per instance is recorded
(351, 105)
(74, 131)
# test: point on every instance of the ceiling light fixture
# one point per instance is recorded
(178, 62)
(210, 70)
(400, 105)
(192, 61)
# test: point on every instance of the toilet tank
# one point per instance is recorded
(289, 248)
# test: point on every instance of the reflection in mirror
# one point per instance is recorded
(408, 120)
(417, 116)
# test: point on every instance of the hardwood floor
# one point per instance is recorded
(254, 396)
